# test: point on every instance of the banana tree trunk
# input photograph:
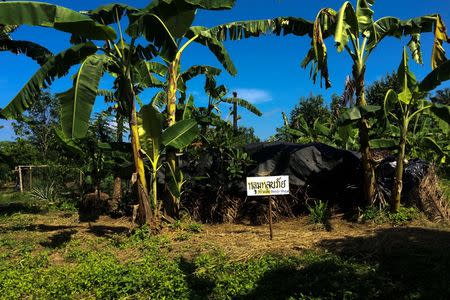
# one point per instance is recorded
(145, 215)
(172, 202)
(117, 190)
(397, 191)
(369, 180)
(235, 112)
(235, 116)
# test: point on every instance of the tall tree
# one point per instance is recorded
(38, 123)
(376, 91)
(310, 108)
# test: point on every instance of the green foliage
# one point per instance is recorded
(310, 108)
(403, 215)
(373, 214)
(237, 164)
(46, 193)
(194, 227)
(37, 124)
(17, 153)
(377, 90)
(319, 212)
(381, 216)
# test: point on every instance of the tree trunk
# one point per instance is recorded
(172, 202)
(235, 113)
(369, 180)
(145, 215)
(117, 190)
(235, 116)
(398, 186)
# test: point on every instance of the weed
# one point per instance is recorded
(194, 227)
(380, 216)
(46, 193)
(373, 214)
(404, 215)
(184, 236)
(319, 213)
(177, 224)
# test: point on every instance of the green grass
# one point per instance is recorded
(445, 185)
(48, 256)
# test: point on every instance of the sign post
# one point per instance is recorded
(268, 186)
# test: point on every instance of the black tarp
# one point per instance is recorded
(324, 171)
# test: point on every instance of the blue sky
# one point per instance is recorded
(269, 72)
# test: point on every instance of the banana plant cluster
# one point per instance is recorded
(412, 103)
(355, 32)
(162, 25)
(155, 142)
(318, 132)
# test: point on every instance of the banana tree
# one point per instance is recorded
(129, 63)
(307, 134)
(156, 139)
(411, 104)
(181, 36)
(124, 61)
(243, 103)
(34, 51)
(358, 34)
(176, 18)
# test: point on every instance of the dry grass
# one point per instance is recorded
(238, 241)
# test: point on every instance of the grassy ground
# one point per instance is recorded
(50, 255)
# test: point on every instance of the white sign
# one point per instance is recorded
(268, 185)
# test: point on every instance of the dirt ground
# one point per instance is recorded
(240, 241)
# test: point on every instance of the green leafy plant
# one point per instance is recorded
(355, 32)
(412, 103)
(194, 227)
(319, 212)
(373, 214)
(47, 193)
(403, 215)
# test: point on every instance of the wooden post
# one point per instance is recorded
(31, 179)
(20, 179)
(270, 218)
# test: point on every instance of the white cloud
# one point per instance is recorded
(254, 96)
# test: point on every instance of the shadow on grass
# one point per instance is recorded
(36, 227)
(59, 239)
(199, 288)
(107, 231)
(394, 263)
(416, 261)
(20, 207)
